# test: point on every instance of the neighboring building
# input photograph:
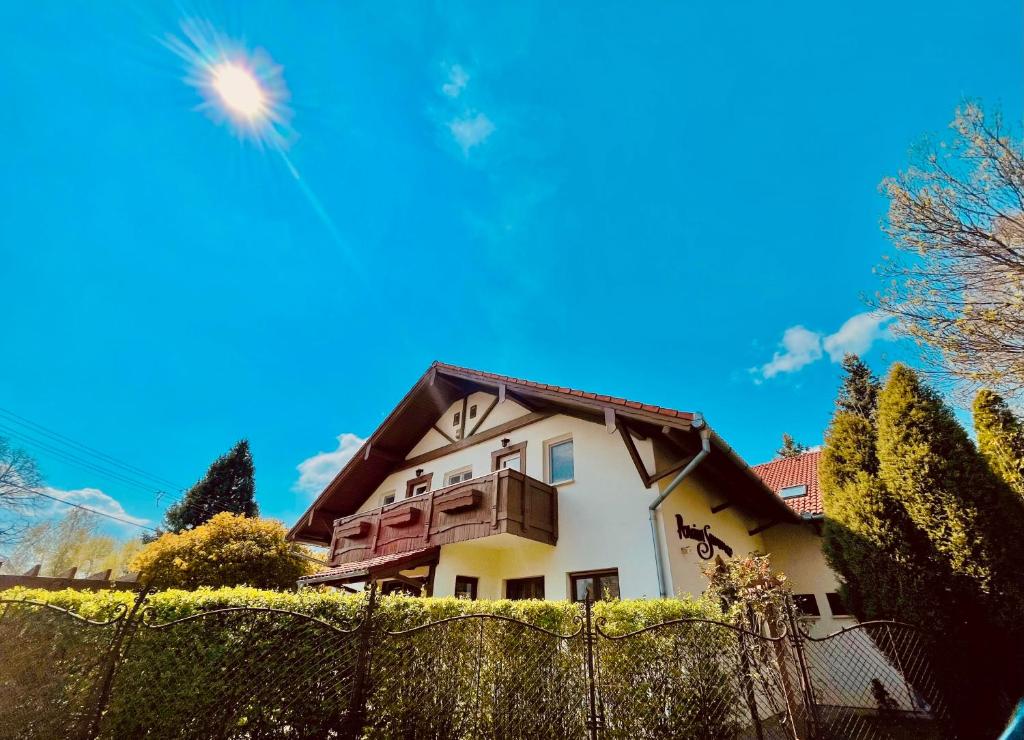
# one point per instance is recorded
(486, 486)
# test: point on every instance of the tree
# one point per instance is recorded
(229, 485)
(790, 447)
(1000, 439)
(958, 213)
(76, 541)
(228, 550)
(859, 391)
(19, 479)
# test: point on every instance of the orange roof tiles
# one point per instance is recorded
(795, 471)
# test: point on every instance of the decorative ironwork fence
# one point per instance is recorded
(266, 673)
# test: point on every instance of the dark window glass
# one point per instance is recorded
(458, 417)
(390, 588)
(595, 586)
(525, 588)
(836, 605)
(465, 587)
(472, 411)
(807, 604)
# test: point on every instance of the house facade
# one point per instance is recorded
(486, 486)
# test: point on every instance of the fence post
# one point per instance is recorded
(745, 678)
(113, 660)
(357, 704)
(594, 723)
(806, 688)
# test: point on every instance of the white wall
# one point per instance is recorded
(602, 513)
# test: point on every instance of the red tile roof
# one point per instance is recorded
(363, 567)
(613, 400)
(795, 471)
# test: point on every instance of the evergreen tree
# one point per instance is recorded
(229, 485)
(790, 447)
(1000, 439)
(859, 392)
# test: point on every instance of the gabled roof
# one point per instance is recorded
(801, 470)
(443, 384)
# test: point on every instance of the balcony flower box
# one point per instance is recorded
(354, 530)
(401, 517)
(458, 501)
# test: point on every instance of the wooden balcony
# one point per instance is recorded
(505, 501)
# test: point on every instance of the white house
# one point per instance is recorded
(487, 486)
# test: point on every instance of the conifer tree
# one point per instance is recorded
(229, 485)
(859, 392)
(1000, 439)
(790, 447)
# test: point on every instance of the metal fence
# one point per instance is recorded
(265, 673)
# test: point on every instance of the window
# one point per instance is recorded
(793, 491)
(525, 588)
(595, 586)
(807, 604)
(472, 411)
(560, 464)
(457, 476)
(465, 587)
(389, 498)
(836, 605)
(457, 419)
(513, 456)
(419, 485)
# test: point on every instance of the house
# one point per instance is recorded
(486, 486)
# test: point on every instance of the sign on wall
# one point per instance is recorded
(706, 542)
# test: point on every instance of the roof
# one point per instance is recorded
(443, 384)
(363, 568)
(795, 471)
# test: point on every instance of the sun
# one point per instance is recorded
(239, 90)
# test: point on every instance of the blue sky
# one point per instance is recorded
(676, 203)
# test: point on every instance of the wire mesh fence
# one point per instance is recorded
(266, 673)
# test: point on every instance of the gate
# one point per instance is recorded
(268, 673)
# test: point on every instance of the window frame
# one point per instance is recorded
(413, 483)
(596, 575)
(833, 597)
(550, 445)
(503, 452)
(519, 581)
(474, 584)
(814, 600)
(458, 471)
(384, 498)
(801, 486)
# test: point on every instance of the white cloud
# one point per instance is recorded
(471, 130)
(857, 334)
(94, 499)
(317, 471)
(458, 78)
(800, 346)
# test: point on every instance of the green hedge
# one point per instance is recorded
(395, 612)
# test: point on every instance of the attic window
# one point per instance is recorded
(472, 411)
(793, 491)
(457, 419)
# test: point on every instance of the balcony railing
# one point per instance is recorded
(505, 501)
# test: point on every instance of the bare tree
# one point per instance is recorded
(957, 215)
(19, 478)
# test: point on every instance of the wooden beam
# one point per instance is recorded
(609, 420)
(501, 392)
(720, 507)
(462, 418)
(103, 575)
(673, 468)
(528, 405)
(487, 412)
(501, 429)
(761, 528)
(443, 433)
(634, 455)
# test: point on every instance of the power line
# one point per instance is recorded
(80, 506)
(92, 451)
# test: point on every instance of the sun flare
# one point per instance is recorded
(239, 90)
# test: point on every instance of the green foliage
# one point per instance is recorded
(1000, 439)
(790, 447)
(229, 485)
(859, 392)
(748, 584)
(228, 550)
(72, 541)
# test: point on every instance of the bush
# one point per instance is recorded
(228, 550)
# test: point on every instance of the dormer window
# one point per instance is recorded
(793, 491)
